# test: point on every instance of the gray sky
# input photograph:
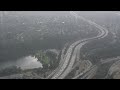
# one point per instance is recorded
(43, 12)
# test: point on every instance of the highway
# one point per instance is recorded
(89, 74)
(88, 68)
(65, 67)
(113, 68)
(109, 60)
(67, 61)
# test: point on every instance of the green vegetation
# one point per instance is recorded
(48, 59)
(43, 58)
(10, 70)
(19, 36)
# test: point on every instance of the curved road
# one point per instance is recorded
(63, 70)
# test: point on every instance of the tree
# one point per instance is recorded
(43, 58)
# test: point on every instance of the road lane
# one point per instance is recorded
(65, 68)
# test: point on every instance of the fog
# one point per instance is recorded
(28, 38)
(55, 12)
(27, 62)
(43, 13)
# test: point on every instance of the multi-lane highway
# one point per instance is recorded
(65, 67)
(67, 62)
